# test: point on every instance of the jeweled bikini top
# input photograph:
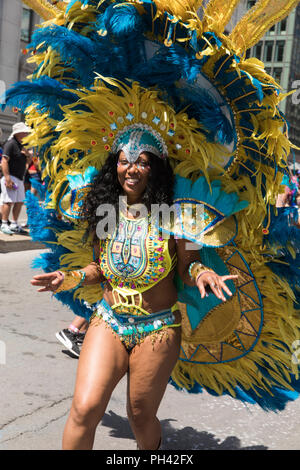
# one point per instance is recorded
(134, 259)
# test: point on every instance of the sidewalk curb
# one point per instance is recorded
(18, 243)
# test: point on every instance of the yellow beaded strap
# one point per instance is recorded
(196, 269)
(124, 301)
(72, 280)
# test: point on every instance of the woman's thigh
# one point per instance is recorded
(102, 363)
(150, 367)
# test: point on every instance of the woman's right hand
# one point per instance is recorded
(48, 282)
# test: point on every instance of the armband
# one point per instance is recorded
(196, 269)
(72, 280)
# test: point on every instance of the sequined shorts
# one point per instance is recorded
(133, 329)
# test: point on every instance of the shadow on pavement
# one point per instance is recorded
(186, 438)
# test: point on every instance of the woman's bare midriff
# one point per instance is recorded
(160, 297)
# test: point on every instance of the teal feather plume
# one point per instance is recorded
(45, 93)
(213, 195)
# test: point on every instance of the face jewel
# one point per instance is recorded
(129, 117)
(156, 120)
(113, 126)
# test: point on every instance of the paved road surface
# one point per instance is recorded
(37, 383)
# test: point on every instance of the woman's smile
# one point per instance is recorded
(132, 181)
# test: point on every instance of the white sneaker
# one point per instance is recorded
(5, 229)
(14, 228)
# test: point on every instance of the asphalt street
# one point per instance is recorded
(37, 379)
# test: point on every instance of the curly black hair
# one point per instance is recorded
(106, 188)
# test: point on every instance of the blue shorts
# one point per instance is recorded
(133, 329)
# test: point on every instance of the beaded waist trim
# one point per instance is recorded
(135, 326)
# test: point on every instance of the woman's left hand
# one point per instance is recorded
(215, 283)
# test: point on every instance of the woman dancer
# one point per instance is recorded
(150, 352)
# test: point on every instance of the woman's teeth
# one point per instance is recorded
(132, 180)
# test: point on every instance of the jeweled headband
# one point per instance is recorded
(138, 138)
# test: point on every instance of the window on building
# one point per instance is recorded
(279, 51)
(250, 3)
(257, 50)
(271, 31)
(283, 26)
(26, 25)
(268, 52)
(268, 70)
(277, 74)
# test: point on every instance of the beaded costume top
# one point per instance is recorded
(134, 259)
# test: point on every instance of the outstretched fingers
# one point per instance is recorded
(229, 276)
(224, 286)
(216, 284)
(202, 289)
(47, 282)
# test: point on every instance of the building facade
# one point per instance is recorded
(17, 23)
(293, 102)
(279, 49)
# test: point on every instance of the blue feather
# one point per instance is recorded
(169, 65)
(43, 223)
(44, 92)
(43, 227)
(284, 235)
(275, 400)
(84, 56)
(122, 20)
(38, 220)
(76, 51)
(206, 110)
(39, 187)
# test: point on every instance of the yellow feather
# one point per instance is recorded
(258, 20)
